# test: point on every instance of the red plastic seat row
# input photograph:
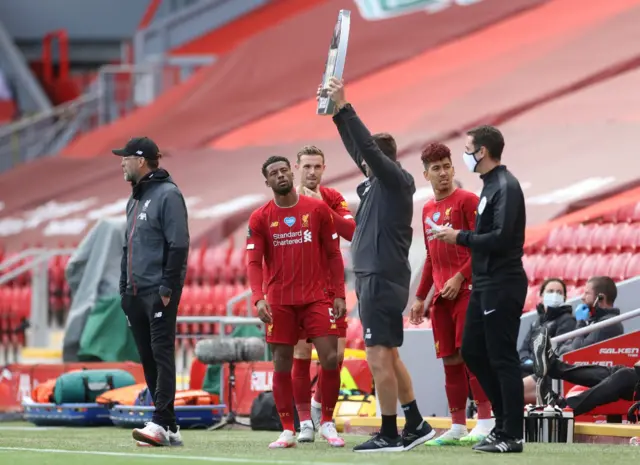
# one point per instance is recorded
(593, 238)
(578, 268)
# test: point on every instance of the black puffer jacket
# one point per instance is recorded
(598, 315)
(558, 320)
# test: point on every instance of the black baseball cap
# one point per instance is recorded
(139, 147)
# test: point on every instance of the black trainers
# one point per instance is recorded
(489, 439)
(502, 445)
(380, 443)
(542, 353)
(414, 437)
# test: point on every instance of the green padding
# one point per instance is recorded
(106, 336)
(85, 386)
(212, 377)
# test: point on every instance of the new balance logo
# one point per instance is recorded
(306, 236)
(157, 315)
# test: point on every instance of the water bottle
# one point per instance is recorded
(635, 441)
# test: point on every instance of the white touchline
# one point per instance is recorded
(167, 456)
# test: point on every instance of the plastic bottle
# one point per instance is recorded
(635, 441)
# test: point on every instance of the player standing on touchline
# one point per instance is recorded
(449, 266)
(310, 164)
(296, 237)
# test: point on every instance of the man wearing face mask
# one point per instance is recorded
(599, 296)
(489, 344)
(600, 293)
(554, 315)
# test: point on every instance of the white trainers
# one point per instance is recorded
(307, 432)
(479, 432)
(175, 440)
(316, 414)
(152, 434)
(330, 434)
(287, 439)
(450, 437)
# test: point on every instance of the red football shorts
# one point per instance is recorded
(341, 323)
(289, 321)
(447, 322)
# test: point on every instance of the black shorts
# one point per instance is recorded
(381, 303)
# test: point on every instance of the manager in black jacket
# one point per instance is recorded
(154, 265)
(489, 345)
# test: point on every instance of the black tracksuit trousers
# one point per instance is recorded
(154, 329)
(490, 350)
(607, 384)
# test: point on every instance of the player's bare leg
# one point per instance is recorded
(283, 394)
(302, 389)
(416, 430)
(529, 390)
(316, 401)
(327, 348)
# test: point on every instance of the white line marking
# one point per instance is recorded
(28, 428)
(167, 456)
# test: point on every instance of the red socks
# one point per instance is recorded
(283, 397)
(456, 387)
(482, 402)
(302, 387)
(318, 394)
(329, 387)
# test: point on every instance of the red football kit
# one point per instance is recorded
(298, 245)
(345, 226)
(443, 261)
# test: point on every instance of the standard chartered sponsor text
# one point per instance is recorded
(288, 238)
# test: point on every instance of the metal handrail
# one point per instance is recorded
(234, 300)
(227, 320)
(41, 255)
(58, 110)
(17, 258)
(594, 327)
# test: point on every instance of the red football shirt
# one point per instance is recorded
(342, 217)
(443, 261)
(297, 245)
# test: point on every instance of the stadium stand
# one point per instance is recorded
(584, 51)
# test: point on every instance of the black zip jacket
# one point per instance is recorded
(383, 232)
(157, 238)
(599, 335)
(557, 320)
(497, 242)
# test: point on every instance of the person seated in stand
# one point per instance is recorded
(599, 296)
(553, 314)
(606, 384)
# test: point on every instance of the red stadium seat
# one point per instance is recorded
(572, 270)
(635, 214)
(540, 270)
(533, 297)
(625, 213)
(213, 262)
(603, 239)
(589, 267)
(531, 263)
(555, 266)
(576, 291)
(236, 269)
(633, 267)
(617, 266)
(558, 240)
(582, 235)
(629, 237)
